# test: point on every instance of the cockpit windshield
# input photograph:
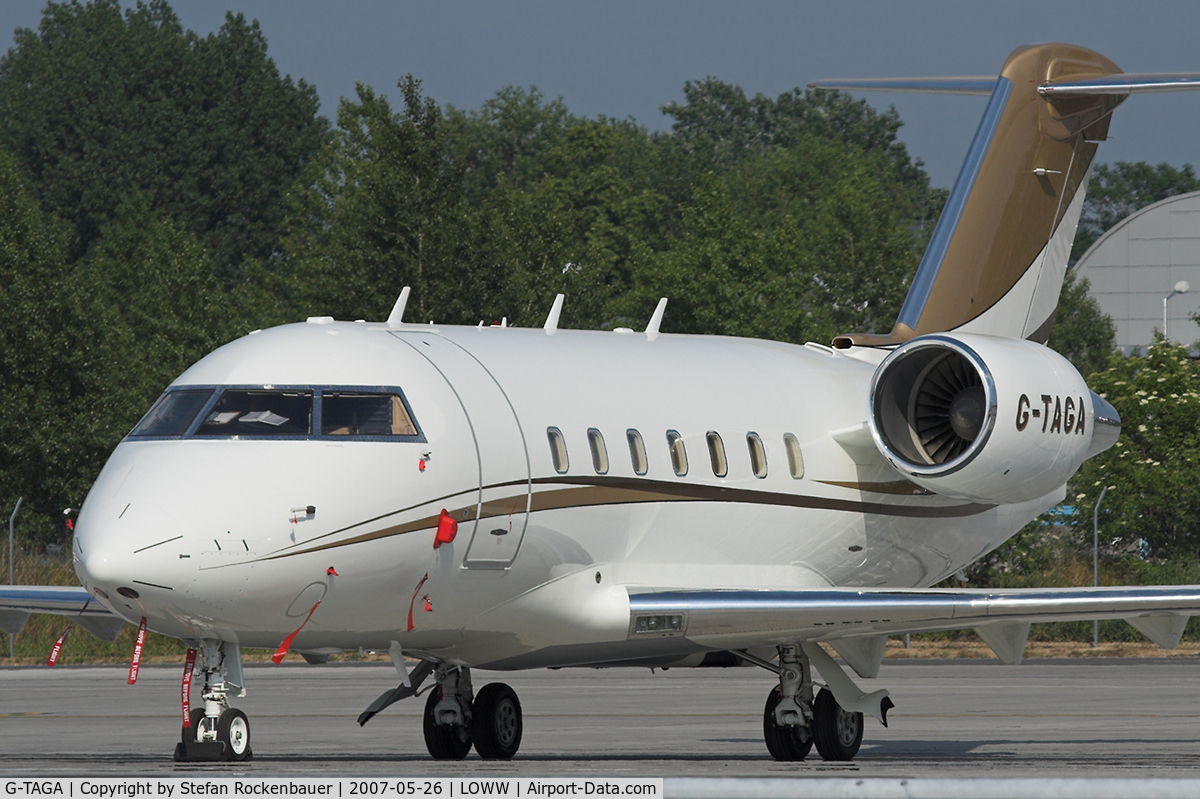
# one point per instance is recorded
(251, 412)
(172, 415)
(291, 412)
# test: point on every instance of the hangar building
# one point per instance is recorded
(1137, 263)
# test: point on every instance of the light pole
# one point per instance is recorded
(1096, 560)
(1181, 287)
(10, 564)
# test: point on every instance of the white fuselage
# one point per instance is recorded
(214, 536)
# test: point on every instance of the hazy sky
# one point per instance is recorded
(625, 58)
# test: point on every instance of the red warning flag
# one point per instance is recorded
(287, 642)
(185, 690)
(136, 662)
(62, 639)
(58, 645)
(414, 599)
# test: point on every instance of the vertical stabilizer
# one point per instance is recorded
(999, 252)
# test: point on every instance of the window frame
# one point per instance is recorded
(637, 449)
(718, 453)
(677, 440)
(551, 433)
(599, 453)
(753, 439)
(317, 389)
(795, 455)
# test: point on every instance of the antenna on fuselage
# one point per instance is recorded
(555, 311)
(397, 314)
(656, 320)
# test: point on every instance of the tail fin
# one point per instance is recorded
(999, 252)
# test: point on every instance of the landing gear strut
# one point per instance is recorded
(455, 718)
(793, 721)
(217, 731)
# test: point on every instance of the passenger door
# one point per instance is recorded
(498, 524)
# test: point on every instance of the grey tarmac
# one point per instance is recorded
(1062, 718)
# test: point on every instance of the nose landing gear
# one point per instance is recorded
(217, 731)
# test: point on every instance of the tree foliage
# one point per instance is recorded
(97, 104)
(1154, 493)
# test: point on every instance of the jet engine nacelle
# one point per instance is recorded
(986, 419)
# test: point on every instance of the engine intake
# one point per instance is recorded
(934, 406)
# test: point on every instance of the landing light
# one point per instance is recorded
(661, 625)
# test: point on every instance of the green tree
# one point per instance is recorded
(41, 365)
(1154, 490)
(1082, 333)
(96, 104)
(720, 125)
(387, 210)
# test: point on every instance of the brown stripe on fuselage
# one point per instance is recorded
(902, 487)
(597, 491)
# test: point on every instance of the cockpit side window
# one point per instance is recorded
(260, 412)
(173, 414)
(358, 413)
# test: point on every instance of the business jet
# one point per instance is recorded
(503, 498)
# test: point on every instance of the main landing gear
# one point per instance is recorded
(793, 721)
(454, 720)
(217, 731)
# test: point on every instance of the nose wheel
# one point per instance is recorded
(217, 732)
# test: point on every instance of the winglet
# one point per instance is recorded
(656, 320)
(555, 311)
(397, 314)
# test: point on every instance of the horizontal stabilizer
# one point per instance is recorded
(1122, 84)
(981, 86)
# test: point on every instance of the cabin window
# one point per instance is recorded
(173, 414)
(637, 452)
(716, 454)
(758, 455)
(678, 453)
(260, 413)
(599, 451)
(558, 449)
(357, 413)
(794, 455)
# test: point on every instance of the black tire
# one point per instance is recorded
(497, 722)
(189, 733)
(233, 730)
(837, 734)
(784, 743)
(444, 741)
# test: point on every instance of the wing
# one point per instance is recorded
(18, 601)
(861, 619)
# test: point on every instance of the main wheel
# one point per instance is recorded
(444, 741)
(838, 734)
(233, 730)
(784, 743)
(497, 722)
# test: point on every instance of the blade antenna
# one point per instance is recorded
(656, 320)
(397, 314)
(555, 311)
